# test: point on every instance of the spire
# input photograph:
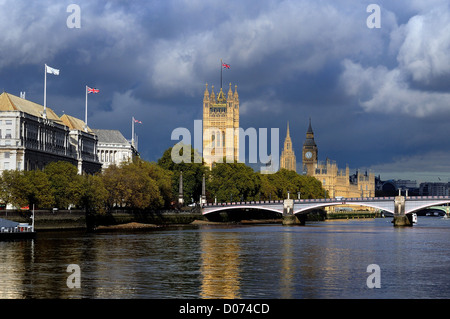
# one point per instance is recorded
(288, 135)
(236, 96)
(310, 127)
(212, 96)
(206, 94)
(309, 136)
(230, 93)
(221, 97)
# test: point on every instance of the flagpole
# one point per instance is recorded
(85, 111)
(45, 92)
(221, 70)
(132, 131)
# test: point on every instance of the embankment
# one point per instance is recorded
(77, 219)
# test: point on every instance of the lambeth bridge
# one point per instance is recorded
(293, 211)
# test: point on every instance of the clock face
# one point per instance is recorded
(308, 155)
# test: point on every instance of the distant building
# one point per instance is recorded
(405, 184)
(337, 183)
(434, 189)
(113, 148)
(391, 187)
(28, 140)
(287, 159)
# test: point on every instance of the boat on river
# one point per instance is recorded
(414, 218)
(14, 230)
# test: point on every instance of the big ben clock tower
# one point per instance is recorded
(310, 152)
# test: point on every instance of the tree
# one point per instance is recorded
(162, 177)
(39, 191)
(14, 188)
(66, 184)
(192, 174)
(23, 189)
(233, 181)
(130, 185)
(95, 196)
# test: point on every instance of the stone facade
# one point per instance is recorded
(220, 126)
(337, 183)
(288, 159)
(113, 148)
(28, 140)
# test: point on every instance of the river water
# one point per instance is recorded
(320, 260)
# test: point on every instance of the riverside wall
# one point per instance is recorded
(78, 219)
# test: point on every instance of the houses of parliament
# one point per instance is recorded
(337, 182)
(221, 116)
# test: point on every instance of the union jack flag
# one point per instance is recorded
(90, 90)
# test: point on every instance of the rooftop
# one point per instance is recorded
(110, 137)
(10, 102)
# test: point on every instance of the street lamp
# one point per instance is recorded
(298, 193)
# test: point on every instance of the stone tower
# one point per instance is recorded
(309, 153)
(220, 126)
(288, 160)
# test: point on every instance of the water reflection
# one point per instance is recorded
(220, 265)
(323, 260)
(287, 269)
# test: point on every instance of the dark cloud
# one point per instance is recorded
(377, 97)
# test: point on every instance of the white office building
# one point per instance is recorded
(113, 148)
(29, 140)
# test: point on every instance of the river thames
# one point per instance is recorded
(322, 260)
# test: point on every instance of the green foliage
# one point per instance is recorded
(95, 196)
(192, 174)
(39, 190)
(133, 185)
(26, 188)
(233, 181)
(238, 181)
(149, 186)
(66, 184)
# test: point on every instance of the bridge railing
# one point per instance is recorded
(427, 197)
(321, 200)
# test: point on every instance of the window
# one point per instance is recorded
(6, 165)
(8, 122)
(7, 154)
(8, 133)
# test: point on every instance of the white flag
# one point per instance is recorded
(51, 70)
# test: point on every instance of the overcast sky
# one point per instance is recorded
(378, 98)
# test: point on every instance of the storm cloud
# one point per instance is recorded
(377, 97)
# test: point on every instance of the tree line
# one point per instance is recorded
(148, 185)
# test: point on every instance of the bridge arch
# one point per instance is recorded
(427, 205)
(305, 210)
(228, 208)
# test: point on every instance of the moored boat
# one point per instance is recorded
(14, 230)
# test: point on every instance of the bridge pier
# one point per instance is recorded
(289, 218)
(400, 218)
